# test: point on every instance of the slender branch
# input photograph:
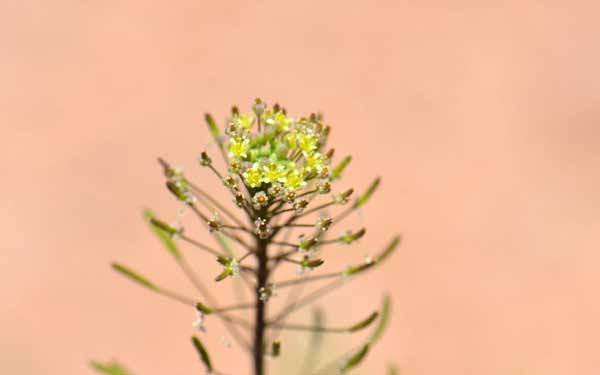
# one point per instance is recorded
(306, 193)
(300, 327)
(248, 253)
(294, 226)
(276, 213)
(315, 209)
(301, 280)
(240, 228)
(216, 203)
(236, 239)
(283, 255)
(212, 168)
(208, 249)
(176, 297)
(283, 243)
(187, 270)
(309, 298)
(239, 306)
(199, 213)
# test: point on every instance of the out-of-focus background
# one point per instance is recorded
(481, 118)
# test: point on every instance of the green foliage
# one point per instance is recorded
(355, 359)
(135, 277)
(212, 127)
(110, 368)
(337, 171)
(202, 352)
(364, 323)
(384, 318)
(360, 201)
(164, 232)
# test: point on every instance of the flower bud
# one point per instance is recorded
(323, 223)
(312, 263)
(204, 159)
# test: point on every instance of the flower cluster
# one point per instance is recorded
(282, 158)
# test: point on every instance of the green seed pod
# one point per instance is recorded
(203, 353)
(364, 323)
(134, 276)
(337, 171)
(204, 309)
(312, 263)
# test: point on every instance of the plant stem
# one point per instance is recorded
(260, 324)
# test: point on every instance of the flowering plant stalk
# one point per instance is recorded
(280, 177)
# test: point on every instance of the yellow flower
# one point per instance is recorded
(274, 172)
(244, 122)
(279, 121)
(315, 162)
(294, 180)
(307, 142)
(253, 175)
(238, 147)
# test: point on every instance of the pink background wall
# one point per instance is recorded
(482, 119)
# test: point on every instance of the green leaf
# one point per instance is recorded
(352, 270)
(202, 352)
(389, 249)
(355, 359)
(364, 323)
(111, 368)
(337, 171)
(134, 276)
(212, 126)
(164, 232)
(367, 194)
(384, 318)
(392, 370)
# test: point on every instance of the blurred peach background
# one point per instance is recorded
(481, 118)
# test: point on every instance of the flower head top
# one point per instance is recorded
(284, 150)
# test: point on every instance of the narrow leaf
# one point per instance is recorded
(352, 270)
(364, 323)
(384, 318)
(112, 368)
(354, 360)
(212, 126)
(134, 276)
(389, 249)
(367, 194)
(392, 370)
(164, 232)
(337, 171)
(202, 352)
